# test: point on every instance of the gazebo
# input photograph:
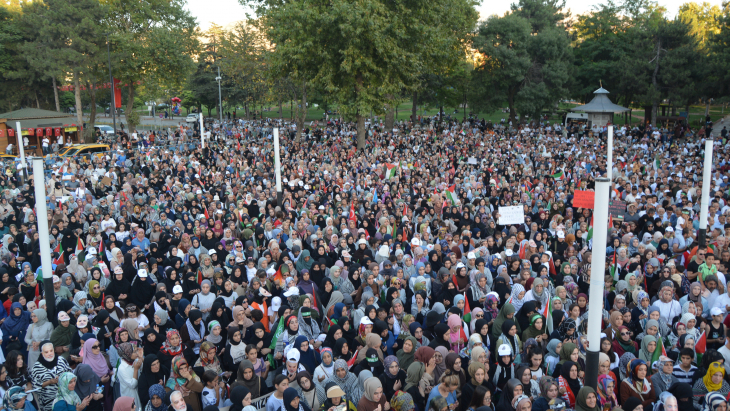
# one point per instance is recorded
(35, 124)
(600, 110)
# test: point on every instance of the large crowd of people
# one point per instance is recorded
(383, 279)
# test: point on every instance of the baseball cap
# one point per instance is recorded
(177, 289)
(561, 234)
(471, 255)
(56, 279)
(63, 316)
(716, 311)
(334, 391)
(91, 251)
(211, 252)
(504, 349)
(362, 241)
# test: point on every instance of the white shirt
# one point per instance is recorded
(668, 310)
(127, 382)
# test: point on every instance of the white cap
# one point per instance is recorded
(293, 355)
(508, 252)
(91, 251)
(177, 289)
(415, 242)
(561, 234)
(670, 229)
(56, 279)
(320, 208)
(276, 303)
(362, 241)
(504, 349)
(211, 252)
(716, 311)
(471, 256)
(142, 273)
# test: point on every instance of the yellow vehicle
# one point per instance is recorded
(85, 150)
(8, 156)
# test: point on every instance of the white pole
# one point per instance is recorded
(595, 311)
(42, 213)
(609, 157)
(202, 139)
(277, 167)
(706, 183)
(21, 149)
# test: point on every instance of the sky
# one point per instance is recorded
(226, 12)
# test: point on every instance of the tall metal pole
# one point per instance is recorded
(220, 101)
(202, 139)
(39, 182)
(595, 311)
(706, 182)
(21, 150)
(609, 156)
(277, 168)
(113, 107)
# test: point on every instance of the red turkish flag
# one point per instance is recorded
(11, 132)
(49, 132)
(57, 131)
(39, 132)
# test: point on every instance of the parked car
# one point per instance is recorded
(108, 130)
(192, 118)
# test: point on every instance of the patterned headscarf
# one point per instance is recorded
(125, 352)
(12, 396)
(64, 394)
(176, 381)
(168, 348)
(402, 401)
(545, 383)
(389, 360)
(159, 391)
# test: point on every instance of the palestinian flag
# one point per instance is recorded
(656, 163)
(79, 247)
(523, 249)
(391, 170)
(659, 352)
(352, 212)
(559, 175)
(352, 360)
(58, 260)
(451, 194)
(547, 314)
(207, 217)
(467, 309)
(701, 344)
(58, 247)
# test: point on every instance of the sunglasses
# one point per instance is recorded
(625, 334)
(95, 347)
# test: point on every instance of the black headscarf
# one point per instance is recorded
(573, 383)
(147, 378)
(438, 339)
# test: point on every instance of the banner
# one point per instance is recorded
(511, 215)
(584, 199)
(117, 94)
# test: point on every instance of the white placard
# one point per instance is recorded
(511, 215)
(472, 160)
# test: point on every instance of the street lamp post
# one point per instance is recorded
(220, 101)
(113, 107)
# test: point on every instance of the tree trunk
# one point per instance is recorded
(131, 125)
(511, 103)
(655, 98)
(89, 130)
(77, 94)
(414, 109)
(37, 102)
(301, 116)
(281, 111)
(441, 114)
(389, 117)
(55, 95)
(360, 131)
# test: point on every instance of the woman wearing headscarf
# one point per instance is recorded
(344, 379)
(393, 378)
(156, 394)
(637, 385)
(15, 399)
(38, 331)
(624, 343)
(663, 378)
(712, 382)
(193, 331)
(518, 296)
(506, 313)
(587, 400)
(86, 384)
(607, 391)
(184, 380)
(373, 397)
(247, 377)
(510, 337)
(714, 401)
(66, 398)
(308, 357)
(407, 354)
(306, 389)
(152, 373)
(512, 389)
(63, 334)
(548, 392)
(15, 326)
(568, 383)
(645, 352)
(44, 375)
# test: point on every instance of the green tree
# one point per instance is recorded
(151, 38)
(362, 53)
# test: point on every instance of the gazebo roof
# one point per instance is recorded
(33, 118)
(600, 104)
